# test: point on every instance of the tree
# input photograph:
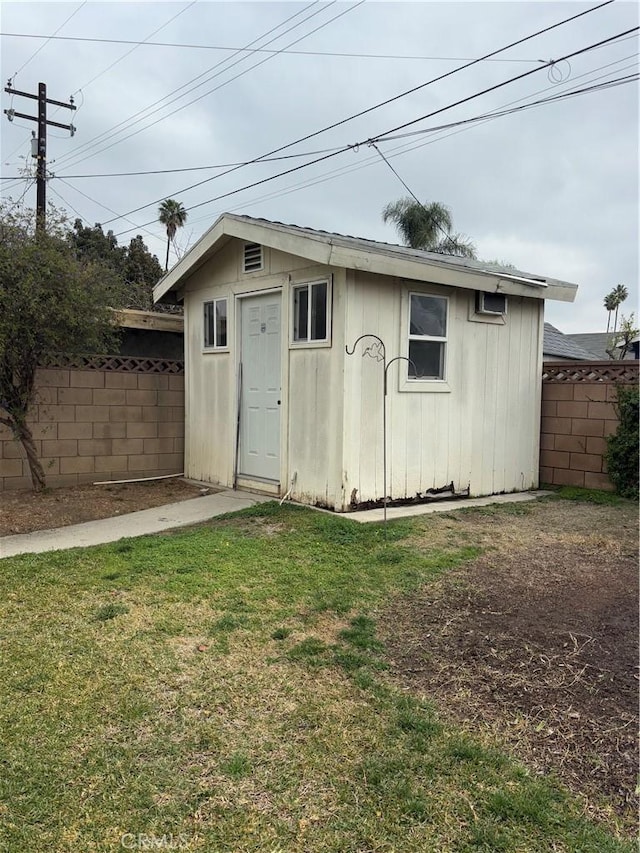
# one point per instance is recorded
(141, 272)
(50, 303)
(427, 226)
(172, 215)
(619, 294)
(610, 306)
(621, 341)
(612, 302)
(134, 264)
(622, 447)
(92, 244)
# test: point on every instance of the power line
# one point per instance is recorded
(104, 206)
(29, 184)
(48, 39)
(383, 103)
(512, 80)
(220, 86)
(68, 204)
(328, 53)
(129, 52)
(268, 32)
(33, 55)
(410, 191)
(415, 89)
(462, 126)
(125, 123)
(473, 119)
(398, 151)
(199, 168)
(326, 150)
(392, 130)
(630, 78)
(403, 149)
(18, 147)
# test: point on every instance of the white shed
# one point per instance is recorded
(275, 403)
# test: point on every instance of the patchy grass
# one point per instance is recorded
(594, 496)
(110, 611)
(237, 699)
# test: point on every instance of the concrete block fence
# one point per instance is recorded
(101, 418)
(116, 418)
(578, 413)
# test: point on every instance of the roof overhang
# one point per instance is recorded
(131, 318)
(334, 250)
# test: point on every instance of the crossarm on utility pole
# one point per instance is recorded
(41, 156)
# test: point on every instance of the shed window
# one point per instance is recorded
(252, 257)
(427, 336)
(311, 312)
(215, 324)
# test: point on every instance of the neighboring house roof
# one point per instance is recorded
(597, 343)
(557, 345)
(340, 250)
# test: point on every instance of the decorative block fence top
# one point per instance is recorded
(590, 371)
(119, 363)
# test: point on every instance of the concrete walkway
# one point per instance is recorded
(197, 510)
(140, 523)
(444, 505)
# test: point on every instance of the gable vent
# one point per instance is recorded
(252, 257)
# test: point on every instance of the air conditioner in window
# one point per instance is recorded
(491, 303)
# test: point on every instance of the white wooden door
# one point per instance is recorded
(259, 450)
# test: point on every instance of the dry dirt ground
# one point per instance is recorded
(535, 644)
(24, 512)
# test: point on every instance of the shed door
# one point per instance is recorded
(259, 450)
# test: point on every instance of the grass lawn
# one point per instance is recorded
(222, 689)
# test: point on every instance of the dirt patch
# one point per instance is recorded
(536, 643)
(24, 512)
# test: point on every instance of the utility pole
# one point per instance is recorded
(41, 151)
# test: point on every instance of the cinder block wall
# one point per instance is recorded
(91, 425)
(578, 414)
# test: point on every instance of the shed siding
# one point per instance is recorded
(311, 411)
(482, 434)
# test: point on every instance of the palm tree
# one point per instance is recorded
(172, 215)
(619, 293)
(610, 305)
(427, 226)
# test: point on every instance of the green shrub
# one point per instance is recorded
(622, 450)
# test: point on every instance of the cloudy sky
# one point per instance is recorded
(552, 189)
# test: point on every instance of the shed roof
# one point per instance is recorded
(561, 346)
(340, 250)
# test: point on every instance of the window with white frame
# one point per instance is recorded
(215, 324)
(311, 312)
(427, 336)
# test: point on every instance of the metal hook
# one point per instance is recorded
(357, 341)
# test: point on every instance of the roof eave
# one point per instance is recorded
(330, 251)
(450, 274)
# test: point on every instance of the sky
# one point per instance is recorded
(551, 189)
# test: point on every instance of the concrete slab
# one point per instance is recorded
(146, 521)
(369, 515)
